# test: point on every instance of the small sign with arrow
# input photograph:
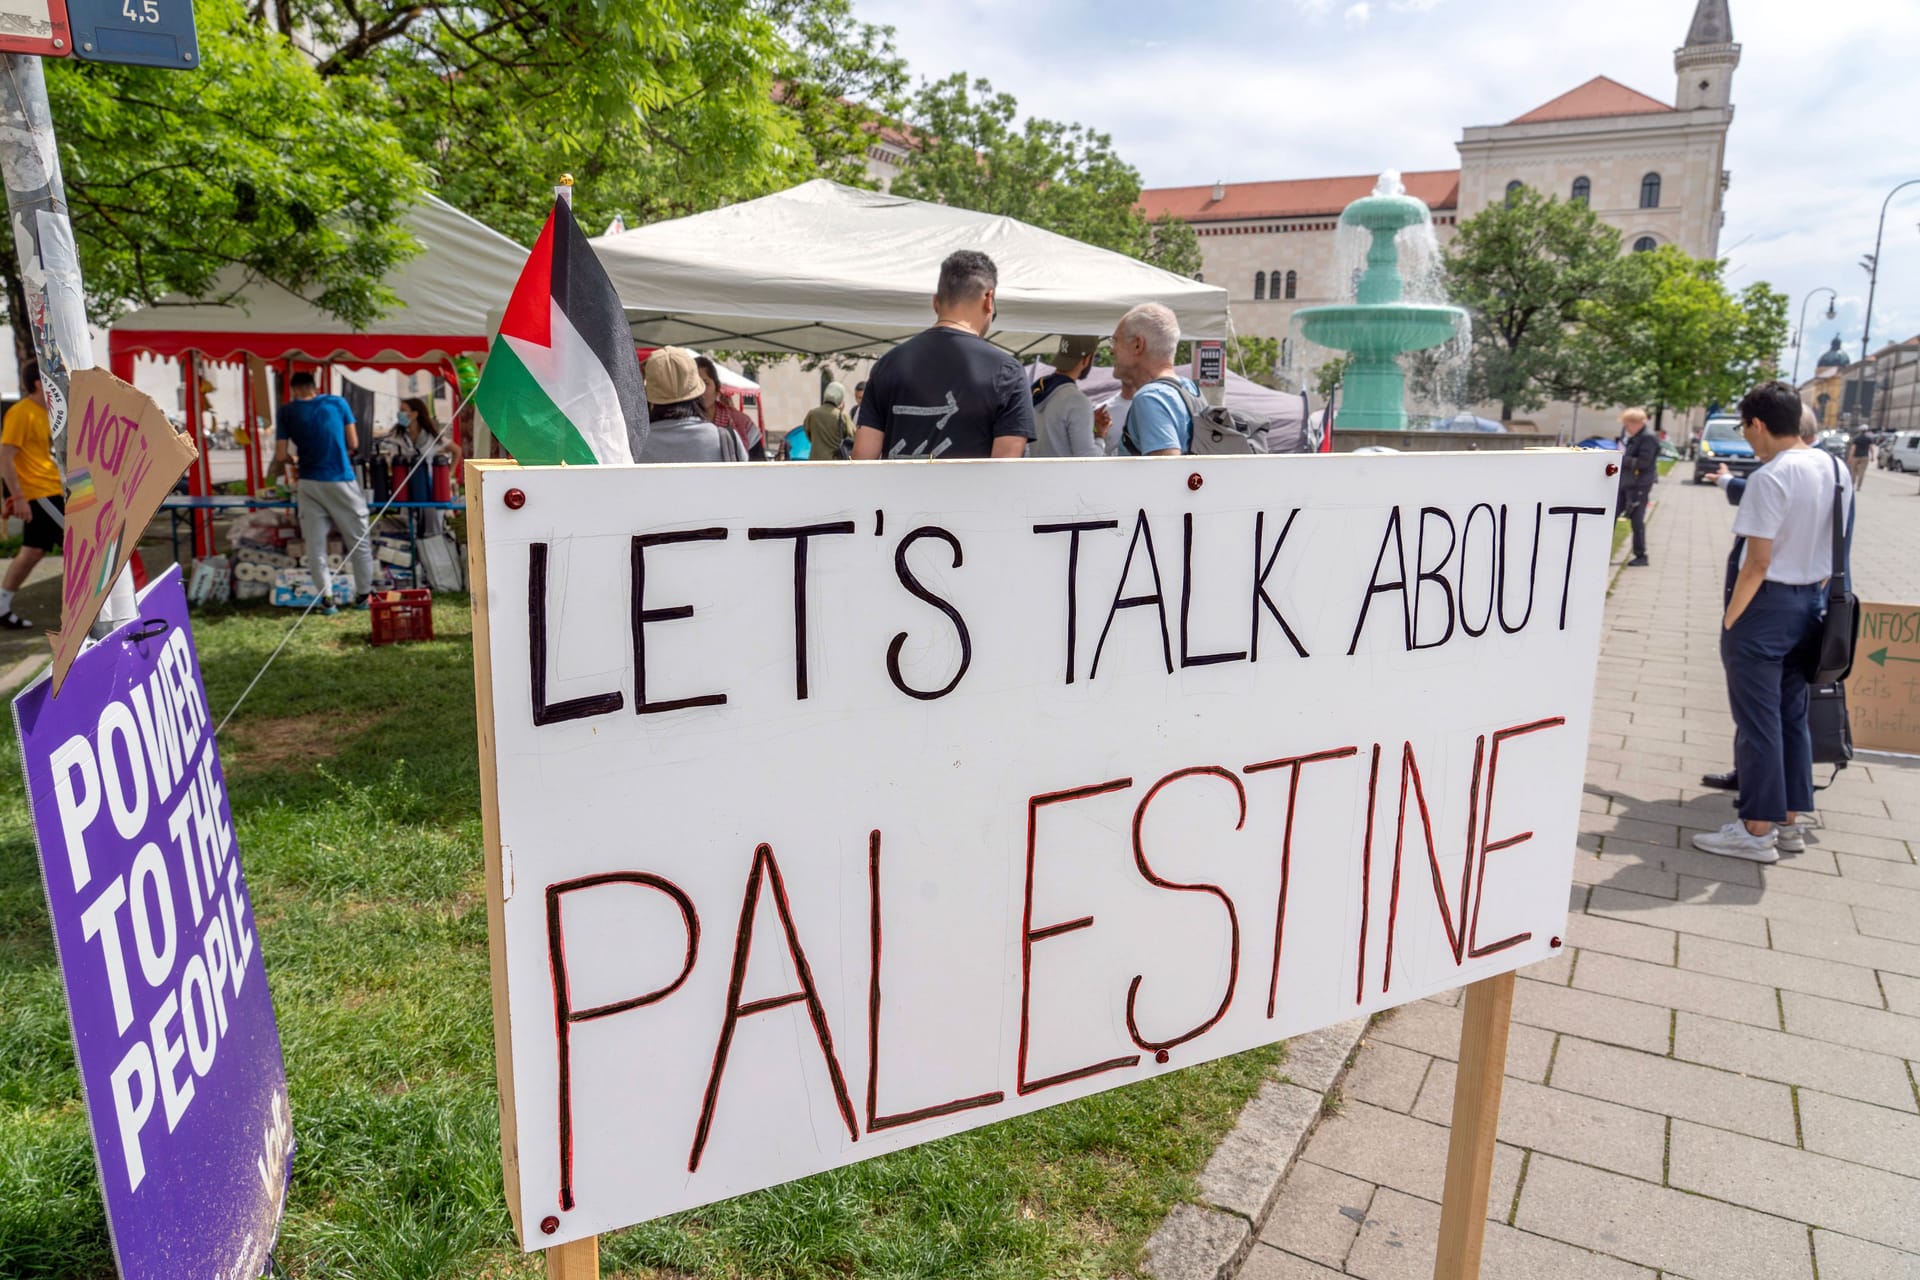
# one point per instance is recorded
(1883, 694)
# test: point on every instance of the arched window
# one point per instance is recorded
(1293, 283)
(1259, 286)
(1650, 191)
(1582, 189)
(1645, 244)
(1512, 188)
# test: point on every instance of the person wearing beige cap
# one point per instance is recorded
(1062, 415)
(679, 430)
(829, 429)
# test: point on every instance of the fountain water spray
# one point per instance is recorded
(1379, 324)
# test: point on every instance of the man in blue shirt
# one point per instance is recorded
(321, 429)
(1159, 422)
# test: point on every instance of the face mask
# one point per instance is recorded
(404, 418)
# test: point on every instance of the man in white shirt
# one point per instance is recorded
(1772, 624)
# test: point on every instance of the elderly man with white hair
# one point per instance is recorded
(1159, 422)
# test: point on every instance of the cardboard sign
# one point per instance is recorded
(123, 458)
(831, 815)
(172, 1024)
(1883, 693)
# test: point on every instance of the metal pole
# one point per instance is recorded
(49, 264)
(1873, 276)
(1801, 338)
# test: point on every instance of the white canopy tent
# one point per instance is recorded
(444, 296)
(823, 269)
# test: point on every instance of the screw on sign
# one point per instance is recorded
(141, 33)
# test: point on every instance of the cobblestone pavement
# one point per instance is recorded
(1717, 1080)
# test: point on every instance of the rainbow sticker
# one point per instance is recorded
(80, 492)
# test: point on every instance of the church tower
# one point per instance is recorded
(1704, 64)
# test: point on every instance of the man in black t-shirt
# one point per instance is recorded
(948, 392)
(1859, 451)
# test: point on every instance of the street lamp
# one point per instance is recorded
(1801, 336)
(1873, 270)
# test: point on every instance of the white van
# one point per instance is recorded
(1902, 451)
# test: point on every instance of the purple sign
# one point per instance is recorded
(179, 1056)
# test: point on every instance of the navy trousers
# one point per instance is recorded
(1765, 654)
(1632, 503)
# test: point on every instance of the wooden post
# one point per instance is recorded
(1476, 1119)
(575, 1260)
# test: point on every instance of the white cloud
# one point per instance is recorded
(1816, 143)
(1357, 14)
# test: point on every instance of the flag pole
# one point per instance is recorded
(576, 1259)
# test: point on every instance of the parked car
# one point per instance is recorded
(1722, 444)
(1901, 451)
(1833, 442)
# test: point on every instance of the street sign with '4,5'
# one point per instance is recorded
(141, 33)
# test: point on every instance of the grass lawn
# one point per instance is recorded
(351, 773)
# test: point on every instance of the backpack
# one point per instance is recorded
(1216, 428)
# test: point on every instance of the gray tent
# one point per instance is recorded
(1284, 412)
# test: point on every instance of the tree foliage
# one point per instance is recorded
(1522, 268)
(247, 162)
(1670, 335)
(657, 109)
(295, 148)
(972, 151)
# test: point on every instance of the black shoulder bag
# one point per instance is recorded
(1833, 659)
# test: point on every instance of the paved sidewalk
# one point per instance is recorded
(1717, 1080)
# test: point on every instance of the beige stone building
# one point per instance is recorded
(1655, 169)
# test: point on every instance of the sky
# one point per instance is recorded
(1251, 90)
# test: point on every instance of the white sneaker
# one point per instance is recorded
(1735, 841)
(1790, 837)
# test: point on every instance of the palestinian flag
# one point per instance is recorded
(562, 381)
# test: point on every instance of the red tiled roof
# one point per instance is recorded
(1300, 197)
(1597, 97)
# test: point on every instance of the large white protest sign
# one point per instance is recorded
(833, 809)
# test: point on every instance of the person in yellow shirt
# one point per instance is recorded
(32, 485)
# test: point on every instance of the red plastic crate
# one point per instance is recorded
(401, 616)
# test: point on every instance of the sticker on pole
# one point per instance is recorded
(137, 33)
(173, 1027)
(37, 27)
(826, 819)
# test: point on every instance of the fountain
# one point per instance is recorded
(1378, 325)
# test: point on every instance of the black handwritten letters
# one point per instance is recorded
(1440, 578)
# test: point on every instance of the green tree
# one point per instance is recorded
(1327, 376)
(297, 168)
(246, 162)
(1755, 353)
(1674, 336)
(1523, 268)
(657, 109)
(973, 152)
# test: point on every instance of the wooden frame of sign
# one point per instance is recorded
(1487, 1007)
(577, 1259)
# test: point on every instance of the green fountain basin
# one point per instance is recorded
(1385, 328)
